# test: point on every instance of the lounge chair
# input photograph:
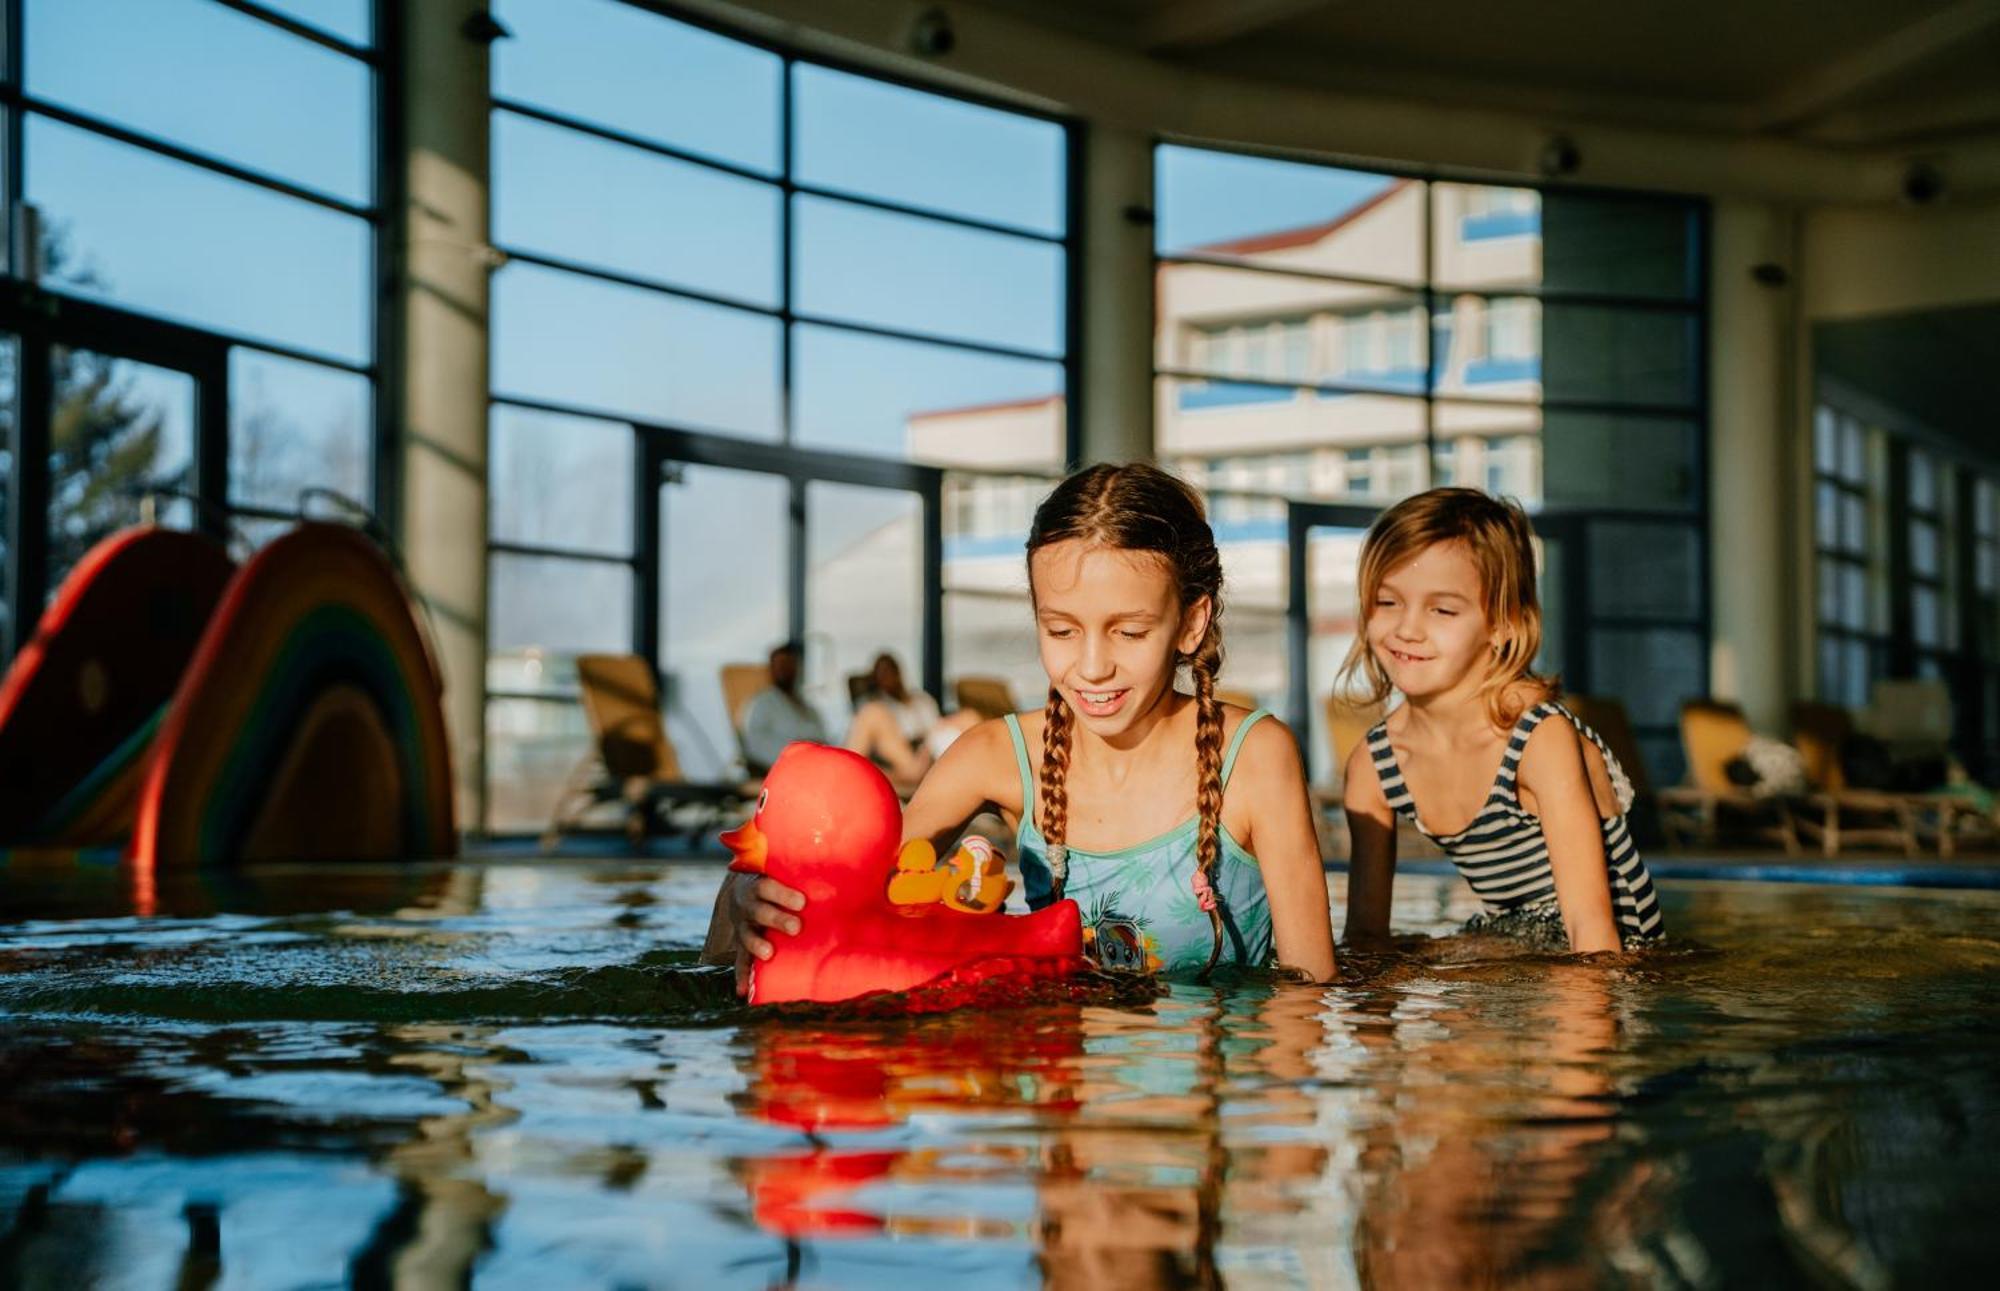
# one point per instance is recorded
(741, 683)
(1712, 733)
(987, 696)
(1827, 814)
(633, 762)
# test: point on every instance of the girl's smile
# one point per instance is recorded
(1102, 703)
(1426, 625)
(1111, 623)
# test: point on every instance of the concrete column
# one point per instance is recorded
(1754, 488)
(443, 260)
(1117, 280)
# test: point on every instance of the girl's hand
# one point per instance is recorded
(757, 904)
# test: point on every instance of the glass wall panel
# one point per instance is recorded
(568, 339)
(989, 624)
(559, 481)
(1333, 561)
(1289, 441)
(1289, 215)
(1242, 324)
(1500, 347)
(295, 426)
(926, 403)
(876, 268)
(209, 79)
(558, 607)
(620, 67)
(533, 745)
(864, 589)
(890, 142)
(1619, 462)
(649, 216)
(350, 20)
(201, 248)
(118, 431)
(1645, 570)
(1652, 669)
(715, 612)
(1584, 244)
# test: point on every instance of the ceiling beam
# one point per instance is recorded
(1840, 80)
(1191, 24)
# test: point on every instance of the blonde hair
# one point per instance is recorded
(1496, 535)
(1139, 507)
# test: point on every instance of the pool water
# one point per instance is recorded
(512, 1073)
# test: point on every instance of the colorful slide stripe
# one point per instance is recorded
(308, 725)
(80, 702)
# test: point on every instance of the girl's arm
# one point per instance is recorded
(1554, 771)
(977, 769)
(1280, 835)
(1371, 855)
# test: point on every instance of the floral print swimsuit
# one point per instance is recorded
(1147, 890)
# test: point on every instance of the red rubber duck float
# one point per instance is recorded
(879, 917)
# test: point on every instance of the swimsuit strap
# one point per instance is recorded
(1027, 773)
(1505, 785)
(1393, 789)
(1236, 742)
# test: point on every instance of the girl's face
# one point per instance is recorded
(1110, 624)
(1428, 626)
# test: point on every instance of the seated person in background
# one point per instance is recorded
(899, 728)
(777, 716)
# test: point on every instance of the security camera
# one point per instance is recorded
(931, 35)
(1559, 156)
(1923, 184)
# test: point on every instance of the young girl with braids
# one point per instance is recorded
(1447, 597)
(1180, 824)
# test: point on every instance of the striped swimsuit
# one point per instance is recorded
(1503, 853)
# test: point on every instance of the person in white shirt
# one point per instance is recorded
(779, 715)
(899, 728)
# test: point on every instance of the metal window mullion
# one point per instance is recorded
(304, 31)
(30, 487)
(1431, 374)
(1076, 157)
(638, 142)
(647, 579)
(783, 313)
(211, 442)
(188, 156)
(387, 251)
(545, 551)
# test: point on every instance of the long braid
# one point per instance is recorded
(1055, 792)
(1204, 664)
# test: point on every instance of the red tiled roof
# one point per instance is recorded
(1305, 235)
(1000, 405)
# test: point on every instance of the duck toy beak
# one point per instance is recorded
(748, 844)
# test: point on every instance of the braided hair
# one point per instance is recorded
(1139, 507)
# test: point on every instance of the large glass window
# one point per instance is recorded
(775, 253)
(1354, 336)
(198, 182)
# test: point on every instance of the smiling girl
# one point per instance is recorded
(1530, 810)
(1180, 824)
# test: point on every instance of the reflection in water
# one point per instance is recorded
(509, 1073)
